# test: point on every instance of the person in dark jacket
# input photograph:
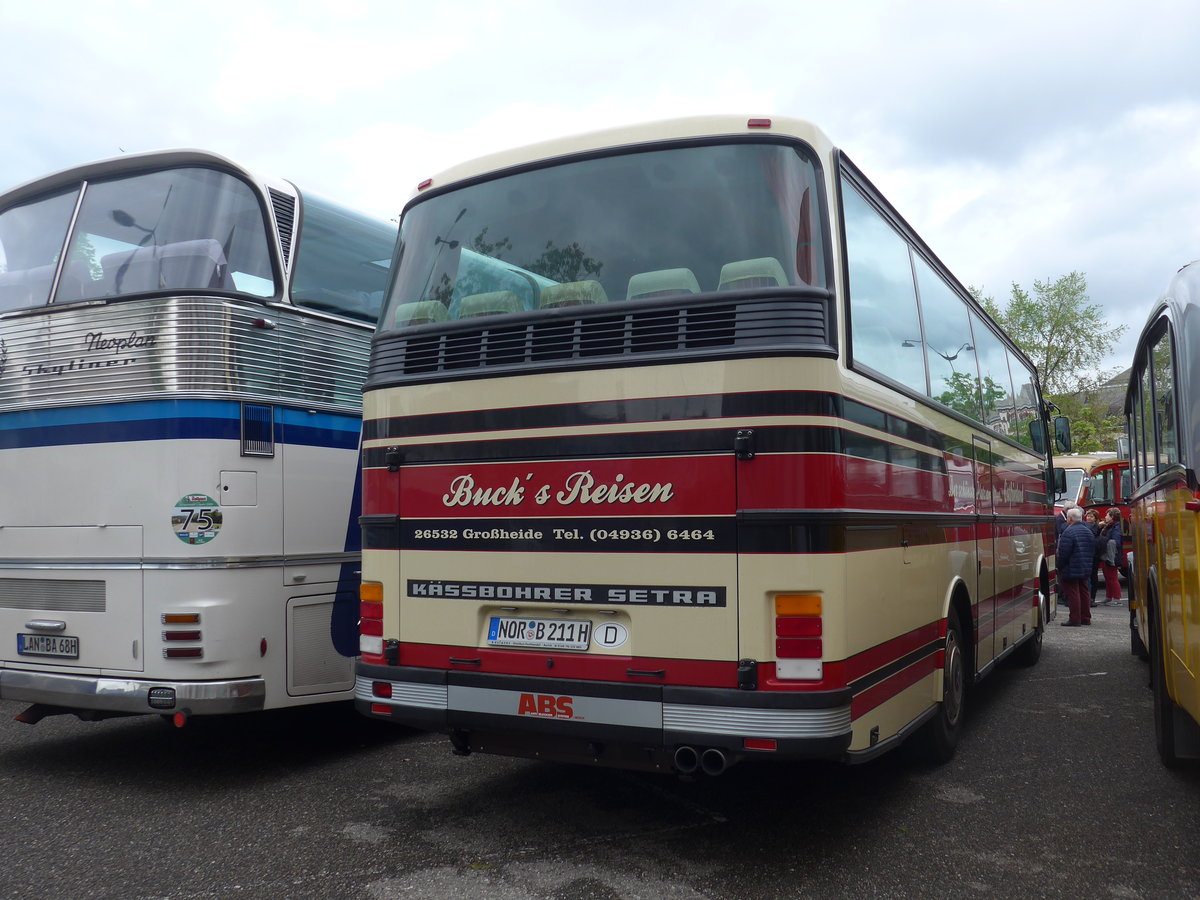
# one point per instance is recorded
(1111, 552)
(1074, 563)
(1091, 519)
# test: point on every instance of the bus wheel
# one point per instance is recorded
(1031, 651)
(1164, 706)
(938, 738)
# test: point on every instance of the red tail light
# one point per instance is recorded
(799, 647)
(370, 622)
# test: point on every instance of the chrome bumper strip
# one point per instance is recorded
(130, 695)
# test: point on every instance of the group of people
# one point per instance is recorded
(1085, 546)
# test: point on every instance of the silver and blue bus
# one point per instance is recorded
(182, 350)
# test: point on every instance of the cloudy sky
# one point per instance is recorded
(1023, 139)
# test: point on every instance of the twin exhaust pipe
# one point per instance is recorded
(710, 761)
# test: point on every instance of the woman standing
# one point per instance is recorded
(1110, 551)
(1091, 519)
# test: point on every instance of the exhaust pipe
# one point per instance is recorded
(686, 760)
(713, 761)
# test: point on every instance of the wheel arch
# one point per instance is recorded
(958, 598)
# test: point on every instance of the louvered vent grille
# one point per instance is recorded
(285, 219)
(792, 324)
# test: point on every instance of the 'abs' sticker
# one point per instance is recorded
(196, 519)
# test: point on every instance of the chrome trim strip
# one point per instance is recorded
(785, 723)
(130, 694)
(205, 562)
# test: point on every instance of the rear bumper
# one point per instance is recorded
(132, 695)
(525, 715)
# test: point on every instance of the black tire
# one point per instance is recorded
(1137, 646)
(1031, 651)
(1164, 706)
(938, 738)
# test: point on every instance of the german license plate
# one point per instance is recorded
(48, 645)
(540, 634)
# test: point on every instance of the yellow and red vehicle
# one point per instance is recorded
(669, 465)
(1164, 434)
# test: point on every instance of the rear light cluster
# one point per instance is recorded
(798, 630)
(181, 629)
(382, 689)
(370, 622)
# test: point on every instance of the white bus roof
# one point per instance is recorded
(630, 135)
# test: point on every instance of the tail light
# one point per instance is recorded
(175, 635)
(798, 642)
(370, 622)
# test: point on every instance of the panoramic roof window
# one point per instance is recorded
(179, 229)
(684, 220)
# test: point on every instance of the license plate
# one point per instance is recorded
(542, 634)
(48, 645)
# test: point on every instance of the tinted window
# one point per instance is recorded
(948, 346)
(637, 225)
(342, 260)
(1026, 397)
(180, 229)
(1164, 401)
(31, 240)
(995, 385)
(885, 329)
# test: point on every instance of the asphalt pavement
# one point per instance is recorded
(1056, 791)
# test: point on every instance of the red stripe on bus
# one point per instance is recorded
(880, 693)
(674, 486)
(889, 651)
(698, 485)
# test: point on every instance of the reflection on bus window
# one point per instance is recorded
(31, 239)
(342, 260)
(883, 304)
(1164, 400)
(172, 230)
(625, 227)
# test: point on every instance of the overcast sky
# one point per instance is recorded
(1022, 139)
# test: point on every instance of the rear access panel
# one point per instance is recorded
(84, 612)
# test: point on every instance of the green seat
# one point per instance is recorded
(572, 293)
(662, 283)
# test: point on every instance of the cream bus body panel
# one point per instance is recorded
(1020, 558)
(654, 632)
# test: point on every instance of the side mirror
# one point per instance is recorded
(1123, 447)
(1059, 478)
(1062, 434)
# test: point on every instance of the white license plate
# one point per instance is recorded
(541, 634)
(48, 645)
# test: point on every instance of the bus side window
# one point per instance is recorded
(883, 301)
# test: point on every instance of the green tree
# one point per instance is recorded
(1066, 336)
(1060, 329)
